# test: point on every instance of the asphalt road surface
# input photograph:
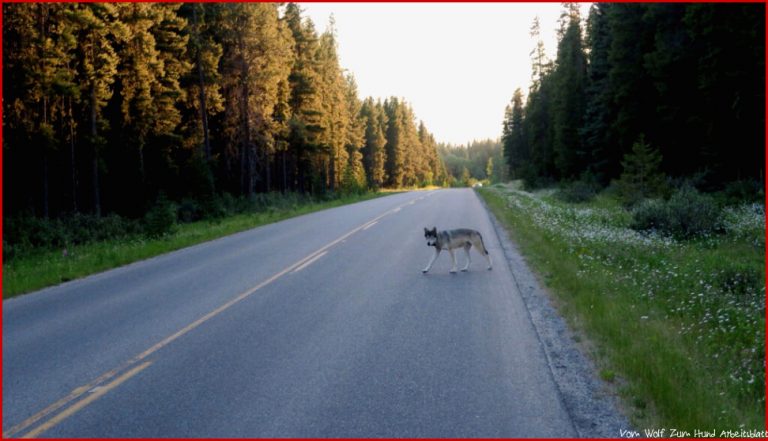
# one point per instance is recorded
(318, 326)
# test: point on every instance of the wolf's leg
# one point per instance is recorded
(453, 259)
(469, 258)
(434, 257)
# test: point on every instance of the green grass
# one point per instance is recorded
(41, 268)
(678, 326)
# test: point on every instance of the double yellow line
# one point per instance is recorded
(107, 381)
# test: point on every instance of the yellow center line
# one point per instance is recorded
(309, 262)
(78, 392)
(87, 400)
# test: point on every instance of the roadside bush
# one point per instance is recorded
(651, 214)
(161, 218)
(23, 234)
(189, 210)
(692, 213)
(583, 190)
(83, 228)
(743, 191)
(213, 207)
(26, 232)
(687, 214)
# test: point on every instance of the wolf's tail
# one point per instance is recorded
(482, 242)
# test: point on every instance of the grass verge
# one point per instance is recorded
(43, 268)
(678, 326)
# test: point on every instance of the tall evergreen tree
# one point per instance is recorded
(257, 60)
(305, 125)
(514, 142)
(203, 83)
(42, 58)
(394, 147)
(569, 79)
(335, 115)
(537, 126)
(355, 137)
(599, 106)
(152, 62)
(374, 151)
(99, 30)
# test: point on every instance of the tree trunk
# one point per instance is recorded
(72, 156)
(332, 170)
(285, 172)
(247, 154)
(201, 97)
(95, 145)
(267, 173)
(45, 183)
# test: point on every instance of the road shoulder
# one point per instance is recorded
(591, 403)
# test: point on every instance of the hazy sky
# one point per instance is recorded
(457, 64)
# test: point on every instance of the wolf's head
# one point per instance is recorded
(431, 236)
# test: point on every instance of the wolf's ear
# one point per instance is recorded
(434, 229)
(425, 230)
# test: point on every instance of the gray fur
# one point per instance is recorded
(452, 239)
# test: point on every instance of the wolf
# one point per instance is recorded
(452, 239)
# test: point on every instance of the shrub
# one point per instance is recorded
(24, 234)
(687, 214)
(743, 191)
(692, 213)
(213, 207)
(161, 218)
(189, 210)
(651, 214)
(583, 190)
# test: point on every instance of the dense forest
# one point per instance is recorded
(109, 106)
(684, 81)
(477, 161)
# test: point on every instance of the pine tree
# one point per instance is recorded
(642, 176)
(152, 63)
(257, 60)
(374, 151)
(411, 148)
(513, 138)
(632, 90)
(355, 136)
(569, 79)
(599, 108)
(538, 111)
(395, 165)
(432, 171)
(335, 112)
(98, 31)
(203, 83)
(40, 58)
(305, 125)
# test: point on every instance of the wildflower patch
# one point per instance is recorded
(682, 321)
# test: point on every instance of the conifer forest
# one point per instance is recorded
(110, 106)
(113, 109)
(687, 80)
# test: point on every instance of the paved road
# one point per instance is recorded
(318, 326)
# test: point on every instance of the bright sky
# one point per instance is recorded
(457, 64)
